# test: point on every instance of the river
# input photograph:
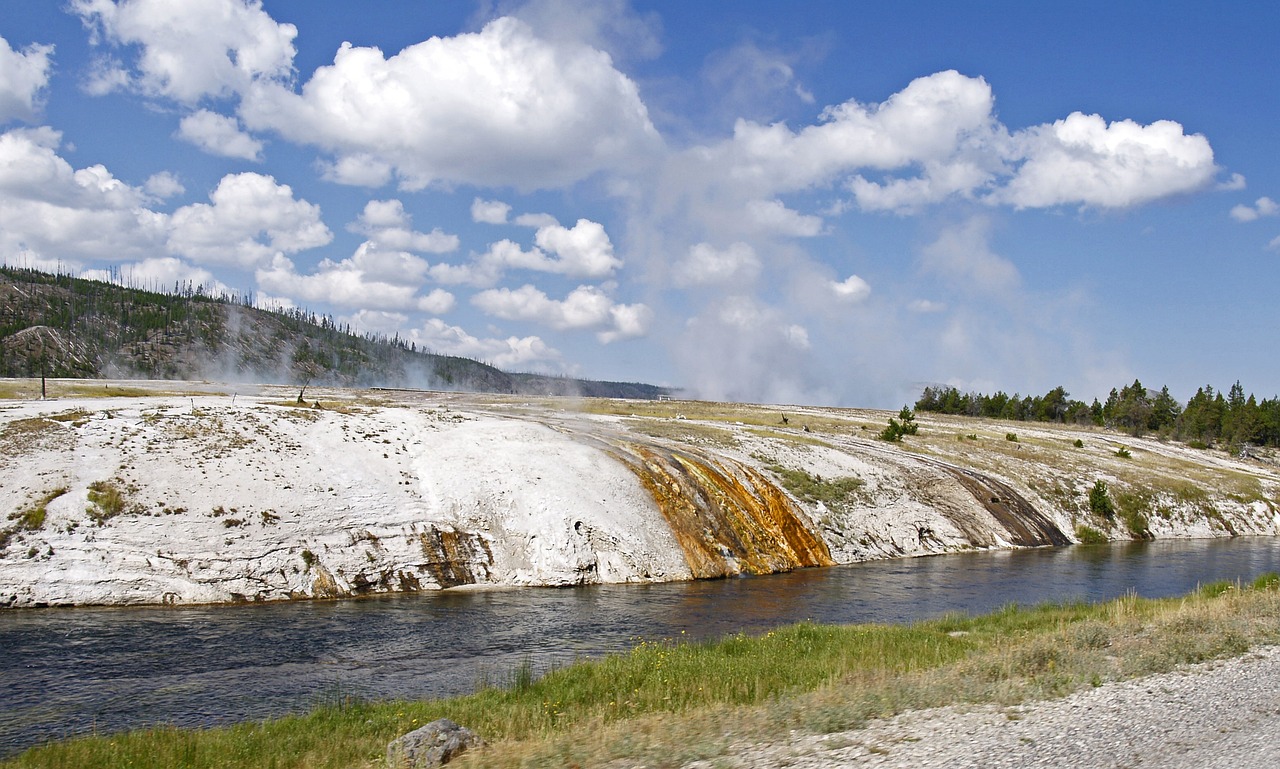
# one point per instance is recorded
(71, 671)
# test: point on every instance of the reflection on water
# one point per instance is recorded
(68, 671)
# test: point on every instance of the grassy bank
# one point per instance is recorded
(667, 703)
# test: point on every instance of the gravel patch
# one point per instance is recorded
(1218, 714)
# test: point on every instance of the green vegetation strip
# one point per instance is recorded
(664, 704)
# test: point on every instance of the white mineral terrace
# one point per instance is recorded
(182, 493)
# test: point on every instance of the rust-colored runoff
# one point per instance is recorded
(727, 518)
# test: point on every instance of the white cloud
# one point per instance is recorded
(360, 169)
(512, 352)
(771, 216)
(375, 322)
(496, 107)
(707, 265)
(193, 49)
(1261, 207)
(1084, 160)
(852, 289)
(23, 75)
(931, 119)
(163, 185)
(1236, 182)
(160, 274)
(939, 139)
(219, 135)
(251, 220)
(584, 251)
(389, 226)
(51, 210)
(347, 284)
(1274, 245)
(585, 308)
(489, 211)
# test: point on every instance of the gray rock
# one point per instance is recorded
(435, 744)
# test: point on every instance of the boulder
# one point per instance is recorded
(435, 744)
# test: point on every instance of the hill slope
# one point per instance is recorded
(62, 326)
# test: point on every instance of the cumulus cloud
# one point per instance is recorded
(512, 352)
(1084, 160)
(23, 76)
(938, 139)
(852, 289)
(583, 251)
(496, 107)
(1236, 182)
(349, 284)
(250, 220)
(707, 265)
(190, 50)
(50, 209)
(585, 308)
(164, 273)
(375, 322)
(163, 185)
(489, 211)
(219, 135)
(1261, 207)
(389, 226)
(772, 216)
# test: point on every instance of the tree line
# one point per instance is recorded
(1208, 418)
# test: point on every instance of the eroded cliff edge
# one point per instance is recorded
(163, 496)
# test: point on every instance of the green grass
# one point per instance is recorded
(666, 703)
(833, 492)
(106, 500)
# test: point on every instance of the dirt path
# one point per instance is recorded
(1220, 714)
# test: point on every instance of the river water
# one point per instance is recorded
(70, 671)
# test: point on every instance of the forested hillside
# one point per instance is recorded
(62, 326)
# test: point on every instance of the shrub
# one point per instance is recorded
(1100, 500)
(1011, 437)
(897, 429)
(1089, 535)
(1197, 445)
(1123, 453)
(1078, 444)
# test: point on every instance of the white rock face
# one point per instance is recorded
(264, 501)
(220, 498)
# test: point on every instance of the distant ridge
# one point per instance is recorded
(63, 326)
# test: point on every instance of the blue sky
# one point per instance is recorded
(785, 202)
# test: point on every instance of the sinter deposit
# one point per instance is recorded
(173, 493)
